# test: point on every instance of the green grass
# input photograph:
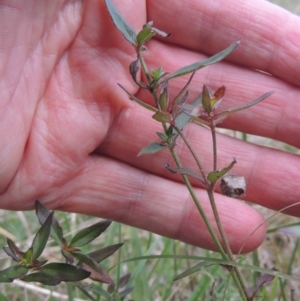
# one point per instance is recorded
(153, 279)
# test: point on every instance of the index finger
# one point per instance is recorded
(269, 35)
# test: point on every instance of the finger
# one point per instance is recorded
(270, 174)
(276, 117)
(269, 35)
(111, 189)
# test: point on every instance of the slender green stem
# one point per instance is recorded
(210, 192)
(228, 251)
(199, 207)
(144, 67)
(228, 254)
(214, 139)
(119, 257)
(236, 275)
(193, 154)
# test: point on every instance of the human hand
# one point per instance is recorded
(70, 136)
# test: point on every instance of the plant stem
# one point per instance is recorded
(214, 139)
(227, 254)
(199, 207)
(193, 154)
(210, 192)
(235, 275)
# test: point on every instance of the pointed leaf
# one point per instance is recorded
(141, 103)
(125, 28)
(133, 70)
(185, 171)
(88, 234)
(89, 264)
(145, 35)
(64, 272)
(152, 148)
(199, 266)
(214, 176)
(206, 99)
(245, 106)
(218, 261)
(183, 118)
(158, 73)
(162, 136)
(164, 96)
(212, 60)
(162, 116)
(124, 280)
(11, 273)
(41, 278)
(103, 253)
(181, 95)
(56, 231)
(9, 252)
(125, 292)
(261, 281)
(16, 253)
(27, 260)
(68, 256)
(41, 237)
(102, 292)
(38, 263)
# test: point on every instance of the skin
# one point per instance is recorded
(70, 136)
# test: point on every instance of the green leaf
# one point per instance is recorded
(180, 98)
(152, 148)
(198, 65)
(183, 118)
(164, 96)
(162, 116)
(206, 99)
(263, 279)
(141, 103)
(162, 136)
(27, 260)
(11, 273)
(103, 253)
(64, 272)
(158, 73)
(125, 292)
(9, 252)
(68, 256)
(125, 28)
(56, 231)
(89, 264)
(13, 251)
(185, 171)
(223, 114)
(101, 292)
(41, 278)
(194, 269)
(41, 237)
(145, 35)
(88, 234)
(218, 261)
(214, 176)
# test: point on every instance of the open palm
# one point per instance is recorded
(70, 136)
